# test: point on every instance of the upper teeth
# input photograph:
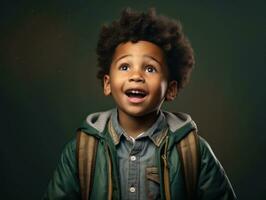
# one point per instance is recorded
(136, 92)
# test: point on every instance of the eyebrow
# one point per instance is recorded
(121, 57)
(145, 56)
(148, 56)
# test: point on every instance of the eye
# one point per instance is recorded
(124, 67)
(150, 69)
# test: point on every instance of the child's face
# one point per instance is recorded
(138, 79)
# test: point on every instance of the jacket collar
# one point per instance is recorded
(178, 123)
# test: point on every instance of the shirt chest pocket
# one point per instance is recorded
(152, 183)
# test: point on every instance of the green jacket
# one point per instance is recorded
(212, 183)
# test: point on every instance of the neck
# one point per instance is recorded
(134, 125)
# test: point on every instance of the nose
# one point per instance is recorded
(136, 76)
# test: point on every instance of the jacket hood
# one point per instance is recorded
(181, 123)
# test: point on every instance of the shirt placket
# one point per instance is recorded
(134, 171)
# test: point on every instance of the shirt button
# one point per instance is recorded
(132, 158)
(132, 189)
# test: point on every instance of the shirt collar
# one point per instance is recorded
(156, 132)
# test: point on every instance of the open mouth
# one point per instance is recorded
(135, 93)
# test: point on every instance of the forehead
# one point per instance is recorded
(139, 49)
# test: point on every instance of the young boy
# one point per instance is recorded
(144, 60)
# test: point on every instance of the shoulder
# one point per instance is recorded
(68, 155)
(210, 165)
(212, 175)
(206, 152)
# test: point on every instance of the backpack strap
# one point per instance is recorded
(166, 178)
(189, 153)
(86, 154)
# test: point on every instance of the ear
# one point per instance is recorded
(106, 85)
(171, 91)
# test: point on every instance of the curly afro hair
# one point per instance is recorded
(160, 30)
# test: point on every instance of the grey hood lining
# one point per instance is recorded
(98, 120)
(175, 121)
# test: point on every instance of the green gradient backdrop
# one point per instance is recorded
(48, 84)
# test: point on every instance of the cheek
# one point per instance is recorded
(116, 83)
(159, 87)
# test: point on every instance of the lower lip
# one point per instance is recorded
(135, 99)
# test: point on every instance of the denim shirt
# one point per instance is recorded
(138, 167)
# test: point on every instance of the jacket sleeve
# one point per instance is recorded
(213, 182)
(64, 183)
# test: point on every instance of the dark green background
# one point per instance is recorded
(48, 84)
